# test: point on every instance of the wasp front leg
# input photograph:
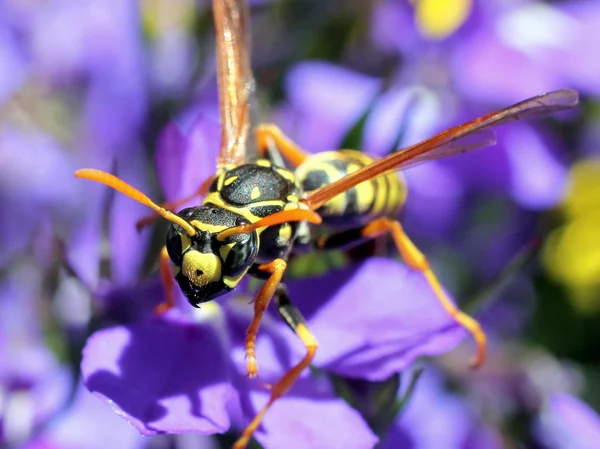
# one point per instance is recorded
(296, 321)
(275, 271)
(415, 259)
(167, 280)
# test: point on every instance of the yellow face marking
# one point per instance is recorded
(185, 242)
(224, 250)
(263, 163)
(230, 180)
(292, 198)
(233, 281)
(201, 268)
(255, 193)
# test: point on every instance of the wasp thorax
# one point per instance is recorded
(206, 267)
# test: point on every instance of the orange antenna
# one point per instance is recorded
(133, 193)
(280, 217)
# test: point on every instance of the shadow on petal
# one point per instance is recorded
(162, 375)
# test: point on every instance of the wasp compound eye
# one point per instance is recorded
(177, 243)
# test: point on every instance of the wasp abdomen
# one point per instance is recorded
(378, 197)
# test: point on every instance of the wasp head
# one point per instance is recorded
(206, 267)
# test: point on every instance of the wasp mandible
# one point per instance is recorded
(255, 214)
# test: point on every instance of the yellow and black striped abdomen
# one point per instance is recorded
(378, 197)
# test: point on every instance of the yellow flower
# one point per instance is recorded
(438, 19)
(571, 253)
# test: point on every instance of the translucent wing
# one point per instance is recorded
(235, 80)
(459, 139)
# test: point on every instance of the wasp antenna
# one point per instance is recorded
(133, 193)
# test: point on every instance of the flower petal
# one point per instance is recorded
(329, 100)
(374, 320)
(309, 415)
(162, 375)
(569, 422)
(187, 157)
(312, 416)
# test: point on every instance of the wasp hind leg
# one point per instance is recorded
(295, 320)
(415, 259)
(272, 143)
(275, 271)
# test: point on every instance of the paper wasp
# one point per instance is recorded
(256, 213)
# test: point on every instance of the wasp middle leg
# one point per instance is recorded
(296, 321)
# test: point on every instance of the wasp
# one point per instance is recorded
(255, 214)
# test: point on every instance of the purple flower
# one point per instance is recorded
(33, 384)
(468, 64)
(81, 425)
(437, 418)
(566, 421)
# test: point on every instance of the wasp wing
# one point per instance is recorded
(235, 80)
(459, 139)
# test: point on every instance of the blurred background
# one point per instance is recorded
(512, 230)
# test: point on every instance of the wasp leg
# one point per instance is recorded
(261, 302)
(415, 259)
(295, 320)
(167, 281)
(269, 134)
(174, 205)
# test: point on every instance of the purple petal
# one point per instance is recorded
(12, 61)
(311, 416)
(330, 98)
(538, 179)
(187, 158)
(80, 426)
(392, 27)
(436, 418)
(435, 200)
(569, 422)
(129, 245)
(375, 320)
(544, 46)
(162, 375)
(414, 111)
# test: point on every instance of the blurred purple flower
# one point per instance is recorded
(79, 426)
(33, 384)
(85, 60)
(454, 67)
(435, 418)
(568, 422)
